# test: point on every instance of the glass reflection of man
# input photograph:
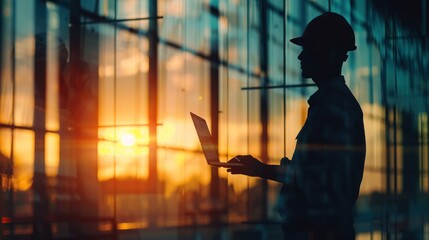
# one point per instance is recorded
(321, 183)
(77, 183)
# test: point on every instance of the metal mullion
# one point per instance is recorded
(13, 127)
(280, 86)
(107, 20)
(126, 125)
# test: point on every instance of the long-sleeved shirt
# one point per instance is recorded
(324, 175)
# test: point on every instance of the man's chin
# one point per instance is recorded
(305, 75)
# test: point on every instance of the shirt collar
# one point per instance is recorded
(325, 88)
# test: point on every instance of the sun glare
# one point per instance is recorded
(128, 140)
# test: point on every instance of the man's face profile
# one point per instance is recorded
(311, 61)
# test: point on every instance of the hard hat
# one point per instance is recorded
(327, 30)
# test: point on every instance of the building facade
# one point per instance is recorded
(96, 136)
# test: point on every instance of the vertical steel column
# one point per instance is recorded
(1, 56)
(425, 147)
(84, 115)
(153, 93)
(264, 99)
(153, 105)
(214, 95)
(424, 19)
(10, 188)
(1, 83)
(424, 43)
(75, 32)
(74, 58)
(396, 113)
(41, 204)
(388, 194)
(410, 163)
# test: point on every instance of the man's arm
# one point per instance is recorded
(283, 173)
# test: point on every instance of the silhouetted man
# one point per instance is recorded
(321, 183)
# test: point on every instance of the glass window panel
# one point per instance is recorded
(387, 74)
(254, 125)
(6, 96)
(106, 159)
(186, 82)
(23, 159)
(131, 78)
(106, 75)
(172, 25)
(24, 64)
(276, 43)
(276, 128)
(91, 5)
(232, 132)
(187, 23)
(132, 9)
(52, 154)
(52, 82)
(123, 90)
(5, 143)
(128, 147)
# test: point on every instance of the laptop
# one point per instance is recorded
(206, 140)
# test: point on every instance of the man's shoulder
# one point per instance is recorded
(340, 109)
(343, 99)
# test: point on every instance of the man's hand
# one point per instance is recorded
(251, 166)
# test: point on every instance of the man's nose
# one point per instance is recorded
(300, 56)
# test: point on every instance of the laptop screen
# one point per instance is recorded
(209, 148)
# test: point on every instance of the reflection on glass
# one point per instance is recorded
(129, 145)
(95, 147)
(23, 161)
(52, 154)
